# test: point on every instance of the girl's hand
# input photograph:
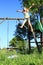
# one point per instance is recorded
(33, 4)
(17, 11)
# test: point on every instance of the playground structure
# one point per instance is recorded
(38, 31)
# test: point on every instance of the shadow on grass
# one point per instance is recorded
(31, 64)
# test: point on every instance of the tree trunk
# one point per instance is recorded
(42, 39)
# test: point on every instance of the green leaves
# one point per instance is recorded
(28, 3)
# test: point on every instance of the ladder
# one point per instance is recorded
(38, 44)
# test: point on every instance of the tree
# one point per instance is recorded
(19, 43)
(13, 42)
(37, 8)
(28, 3)
(23, 33)
(21, 36)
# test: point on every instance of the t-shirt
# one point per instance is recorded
(26, 15)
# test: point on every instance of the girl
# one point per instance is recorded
(25, 11)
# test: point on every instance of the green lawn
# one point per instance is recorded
(28, 59)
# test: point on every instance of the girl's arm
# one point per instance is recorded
(19, 11)
(31, 6)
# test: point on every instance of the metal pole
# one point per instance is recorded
(7, 34)
(11, 18)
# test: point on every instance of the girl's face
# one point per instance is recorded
(26, 9)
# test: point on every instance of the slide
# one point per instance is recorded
(39, 26)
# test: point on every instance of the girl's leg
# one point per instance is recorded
(31, 28)
(23, 23)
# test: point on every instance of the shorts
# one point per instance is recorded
(26, 19)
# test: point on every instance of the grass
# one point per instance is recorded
(27, 59)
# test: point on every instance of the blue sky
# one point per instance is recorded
(8, 9)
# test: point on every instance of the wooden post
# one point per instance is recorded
(42, 39)
(29, 45)
(42, 33)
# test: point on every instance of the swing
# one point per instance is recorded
(27, 35)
